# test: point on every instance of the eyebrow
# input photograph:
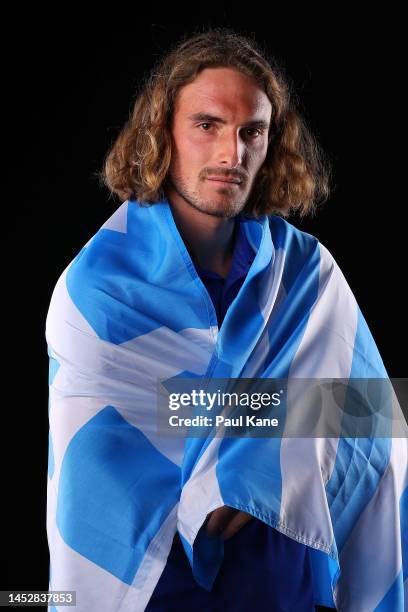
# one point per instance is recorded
(261, 123)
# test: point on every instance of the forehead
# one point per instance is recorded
(226, 90)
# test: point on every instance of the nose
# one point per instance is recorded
(230, 149)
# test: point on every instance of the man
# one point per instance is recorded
(198, 273)
(212, 174)
(220, 134)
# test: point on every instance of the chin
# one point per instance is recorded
(221, 210)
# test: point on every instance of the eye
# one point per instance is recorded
(258, 132)
(207, 123)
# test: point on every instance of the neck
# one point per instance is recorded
(209, 239)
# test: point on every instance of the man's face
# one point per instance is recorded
(219, 129)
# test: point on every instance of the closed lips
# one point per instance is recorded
(225, 180)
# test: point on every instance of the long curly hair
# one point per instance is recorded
(296, 172)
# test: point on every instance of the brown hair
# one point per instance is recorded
(295, 174)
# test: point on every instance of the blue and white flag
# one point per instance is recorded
(130, 310)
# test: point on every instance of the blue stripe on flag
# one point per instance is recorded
(117, 278)
(360, 462)
(403, 507)
(325, 574)
(108, 468)
(394, 599)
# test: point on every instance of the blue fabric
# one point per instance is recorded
(131, 310)
(223, 291)
(262, 568)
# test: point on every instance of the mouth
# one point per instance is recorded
(224, 181)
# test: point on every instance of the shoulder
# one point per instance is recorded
(287, 236)
(304, 254)
(290, 238)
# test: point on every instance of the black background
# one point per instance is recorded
(73, 82)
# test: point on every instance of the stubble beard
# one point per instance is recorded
(230, 207)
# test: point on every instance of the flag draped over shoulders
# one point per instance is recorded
(130, 310)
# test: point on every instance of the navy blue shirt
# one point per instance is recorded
(262, 569)
(223, 291)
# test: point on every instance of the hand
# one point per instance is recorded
(226, 521)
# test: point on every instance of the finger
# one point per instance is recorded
(219, 519)
(236, 523)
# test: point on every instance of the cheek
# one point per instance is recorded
(190, 155)
(195, 144)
